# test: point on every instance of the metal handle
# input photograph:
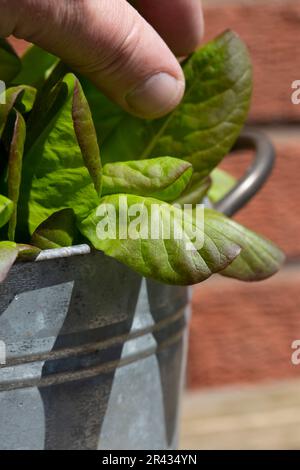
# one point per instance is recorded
(256, 175)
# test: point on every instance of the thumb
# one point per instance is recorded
(107, 41)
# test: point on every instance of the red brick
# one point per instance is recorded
(242, 333)
(272, 31)
(19, 45)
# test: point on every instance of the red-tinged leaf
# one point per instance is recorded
(55, 175)
(259, 258)
(20, 97)
(27, 252)
(86, 135)
(15, 169)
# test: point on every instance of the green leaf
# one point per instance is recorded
(36, 66)
(259, 258)
(162, 178)
(196, 191)
(10, 251)
(20, 97)
(10, 63)
(25, 101)
(15, 169)
(222, 184)
(107, 115)
(6, 210)
(58, 231)
(8, 255)
(59, 168)
(166, 260)
(86, 136)
(27, 252)
(205, 125)
(46, 105)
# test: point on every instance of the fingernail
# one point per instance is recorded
(157, 96)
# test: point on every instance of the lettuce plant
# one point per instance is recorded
(66, 150)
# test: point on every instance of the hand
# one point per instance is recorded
(113, 45)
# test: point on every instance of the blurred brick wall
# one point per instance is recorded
(244, 334)
(240, 332)
(271, 29)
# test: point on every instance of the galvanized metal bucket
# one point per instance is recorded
(96, 355)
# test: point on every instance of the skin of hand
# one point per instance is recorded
(128, 51)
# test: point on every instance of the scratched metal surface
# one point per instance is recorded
(95, 356)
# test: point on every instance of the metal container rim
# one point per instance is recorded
(65, 252)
